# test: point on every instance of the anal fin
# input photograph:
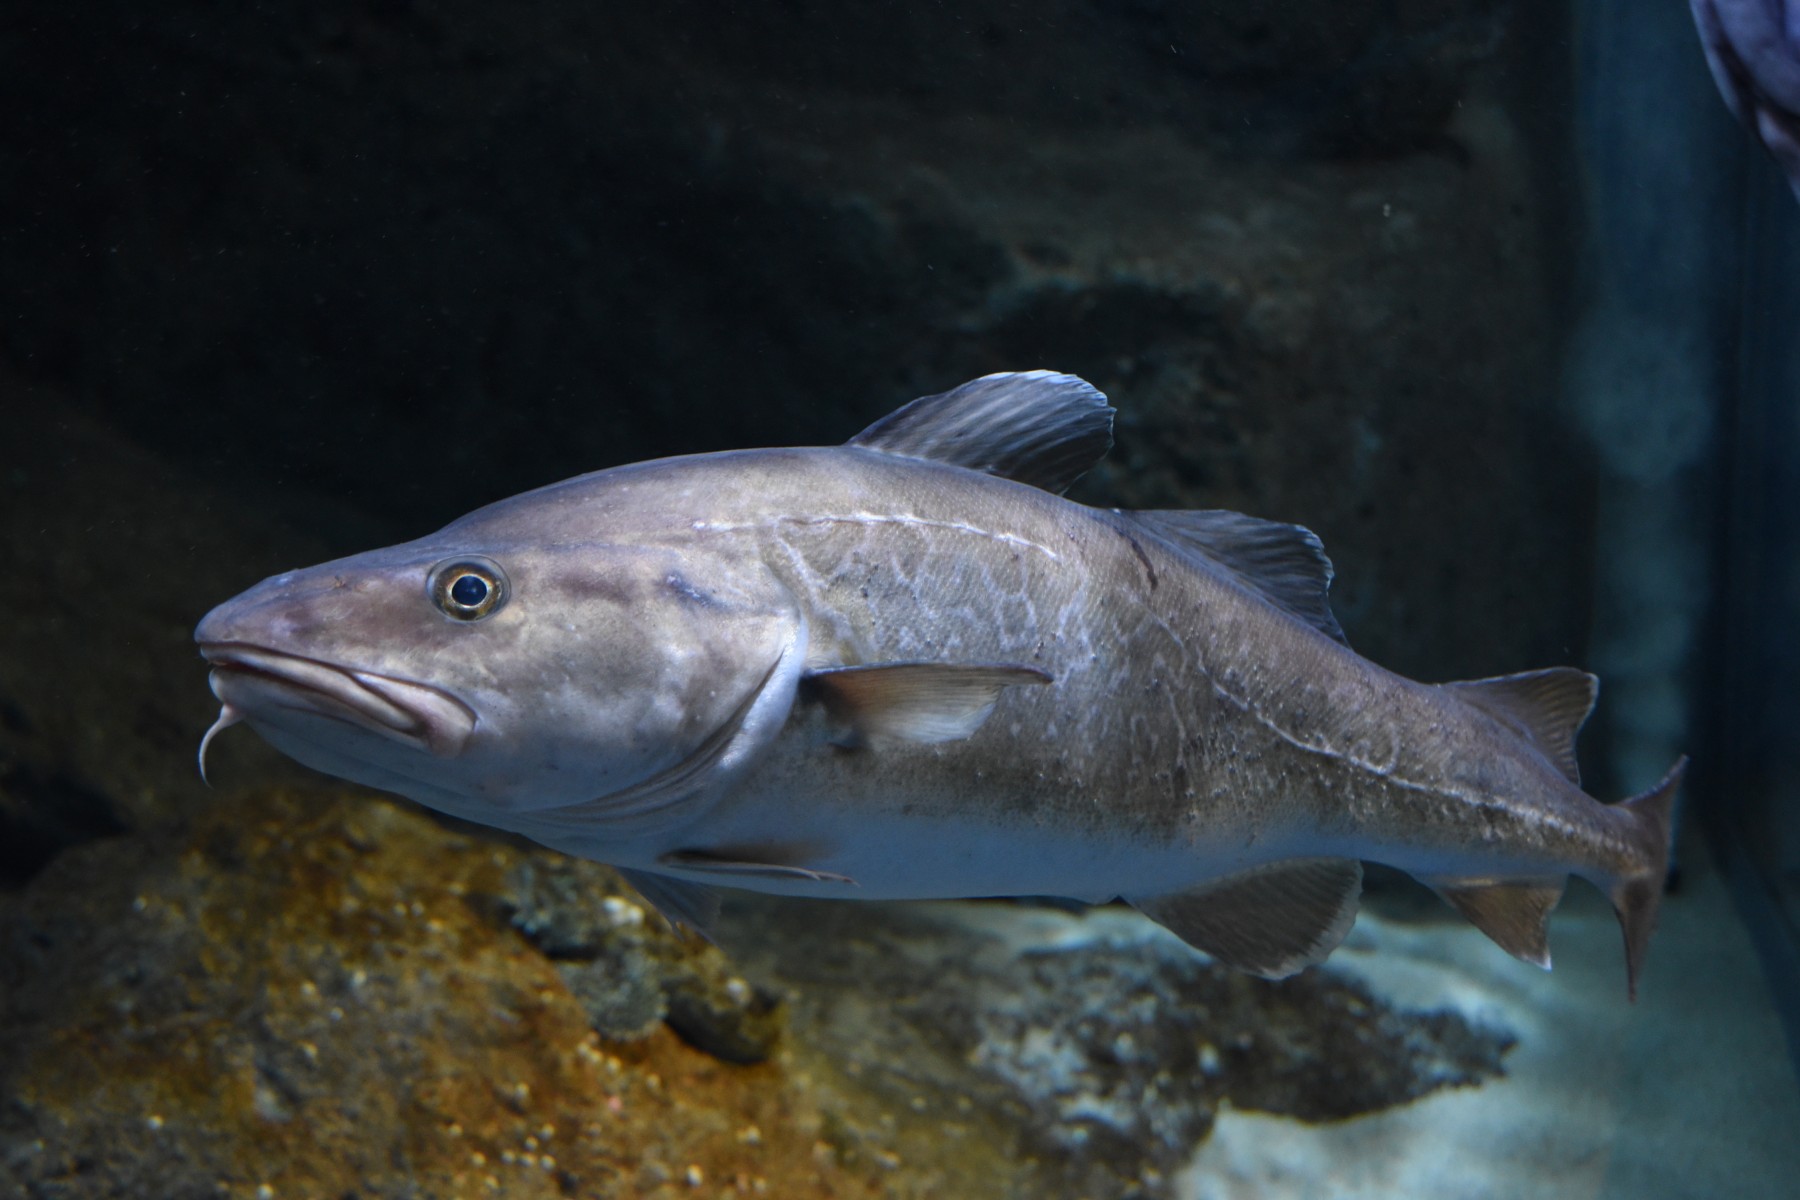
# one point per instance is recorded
(1271, 920)
(1515, 914)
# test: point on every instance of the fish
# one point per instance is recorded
(1753, 52)
(907, 667)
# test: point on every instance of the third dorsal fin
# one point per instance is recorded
(1038, 427)
(1546, 707)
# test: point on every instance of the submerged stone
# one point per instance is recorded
(629, 968)
(319, 996)
(325, 995)
(1109, 1046)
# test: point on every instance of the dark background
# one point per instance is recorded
(287, 281)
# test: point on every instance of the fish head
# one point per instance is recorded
(493, 679)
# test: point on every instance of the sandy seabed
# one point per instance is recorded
(1689, 1092)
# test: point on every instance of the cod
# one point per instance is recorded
(907, 667)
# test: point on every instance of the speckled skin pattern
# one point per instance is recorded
(1191, 728)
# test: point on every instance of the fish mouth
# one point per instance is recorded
(250, 681)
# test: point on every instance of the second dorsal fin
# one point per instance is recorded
(1285, 563)
(1038, 427)
(1546, 707)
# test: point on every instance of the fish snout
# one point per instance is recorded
(215, 627)
(264, 686)
(266, 614)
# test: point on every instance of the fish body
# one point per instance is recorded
(907, 667)
(1753, 51)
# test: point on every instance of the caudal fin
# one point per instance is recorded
(1635, 897)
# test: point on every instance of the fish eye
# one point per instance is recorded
(467, 588)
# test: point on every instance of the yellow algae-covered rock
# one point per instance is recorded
(629, 968)
(323, 996)
(315, 994)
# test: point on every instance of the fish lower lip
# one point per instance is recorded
(399, 708)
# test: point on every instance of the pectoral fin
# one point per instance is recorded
(701, 860)
(1271, 921)
(915, 702)
(1515, 914)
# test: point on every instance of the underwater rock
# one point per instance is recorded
(1108, 1046)
(629, 968)
(320, 996)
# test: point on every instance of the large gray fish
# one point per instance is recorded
(906, 667)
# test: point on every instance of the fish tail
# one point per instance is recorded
(1635, 896)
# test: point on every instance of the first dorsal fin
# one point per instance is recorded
(1038, 427)
(1547, 708)
(1285, 563)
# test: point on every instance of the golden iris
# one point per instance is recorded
(468, 588)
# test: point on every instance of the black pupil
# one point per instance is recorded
(469, 591)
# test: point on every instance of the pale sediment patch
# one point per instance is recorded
(1685, 1093)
